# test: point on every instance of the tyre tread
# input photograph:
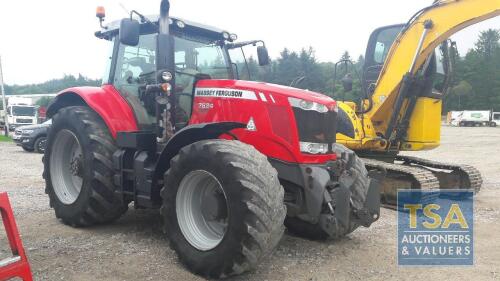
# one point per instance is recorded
(104, 205)
(263, 200)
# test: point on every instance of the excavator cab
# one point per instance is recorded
(379, 44)
(438, 70)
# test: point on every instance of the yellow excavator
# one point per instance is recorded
(401, 109)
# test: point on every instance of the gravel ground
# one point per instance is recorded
(134, 247)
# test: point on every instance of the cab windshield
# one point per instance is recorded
(23, 111)
(195, 57)
(136, 67)
(192, 56)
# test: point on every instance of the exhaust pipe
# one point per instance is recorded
(165, 73)
(164, 17)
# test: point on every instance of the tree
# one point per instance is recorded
(51, 86)
(488, 43)
(346, 56)
(44, 101)
(360, 63)
(463, 89)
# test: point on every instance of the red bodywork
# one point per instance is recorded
(42, 111)
(109, 104)
(275, 136)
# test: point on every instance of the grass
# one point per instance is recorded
(5, 139)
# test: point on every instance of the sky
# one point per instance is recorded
(42, 40)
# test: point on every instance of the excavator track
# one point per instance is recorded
(401, 177)
(408, 172)
(451, 176)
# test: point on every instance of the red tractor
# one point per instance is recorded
(224, 160)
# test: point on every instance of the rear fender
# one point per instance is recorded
(105, 101)
(189, 135)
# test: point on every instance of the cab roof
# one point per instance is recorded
(113, 27)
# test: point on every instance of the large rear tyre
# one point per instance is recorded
(358, 182)
(78, 169)
(223, 207)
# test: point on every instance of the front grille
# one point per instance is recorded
(24, 121)
(316, 127)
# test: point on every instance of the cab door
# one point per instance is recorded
(135, 67)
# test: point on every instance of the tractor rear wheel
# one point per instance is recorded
(359, 182)
(223, 207)
(78, 169)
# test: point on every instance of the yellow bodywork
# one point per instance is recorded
(423, 133)
(425, 125)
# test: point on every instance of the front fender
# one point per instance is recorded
(189, 135)
(105, 101)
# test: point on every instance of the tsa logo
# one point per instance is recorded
(435, 227)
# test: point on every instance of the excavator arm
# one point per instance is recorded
(412, 48)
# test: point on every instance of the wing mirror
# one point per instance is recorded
(263, 55)
(347, 82)
(129, 32)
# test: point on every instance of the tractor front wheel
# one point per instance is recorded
(223, 207)
(78, 169)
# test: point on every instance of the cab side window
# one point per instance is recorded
(385, 39)
(134, 63)
(135, 66)
(380, 52)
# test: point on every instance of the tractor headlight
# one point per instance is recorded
(226, 35)
(180, 24)
(313, 148)
(233, 37)
(308, 105)
(166, 76)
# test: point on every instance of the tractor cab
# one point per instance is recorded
(200, 52)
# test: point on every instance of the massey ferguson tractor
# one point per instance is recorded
(224, 160)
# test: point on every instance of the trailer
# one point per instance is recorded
(478, 118)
